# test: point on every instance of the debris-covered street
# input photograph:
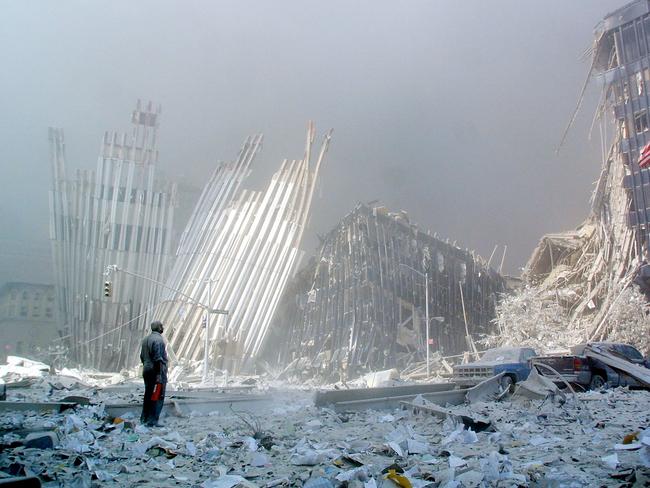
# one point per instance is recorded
(597, 438)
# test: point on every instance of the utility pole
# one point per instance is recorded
(425, 275)
(426, 314)
(207, 331)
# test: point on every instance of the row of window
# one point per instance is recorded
(641, 124)
(12, 311)
(635, 40)
(631, 87)
(25, 295)
(154, 199)
(136, 237)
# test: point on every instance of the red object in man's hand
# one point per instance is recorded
(157, 390)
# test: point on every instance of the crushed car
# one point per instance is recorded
(582, 369)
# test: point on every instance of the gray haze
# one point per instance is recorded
(449, 110)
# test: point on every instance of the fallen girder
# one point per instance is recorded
(448, 394)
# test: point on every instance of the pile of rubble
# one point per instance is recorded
(591, 439)
(579, 284)
(536, 318)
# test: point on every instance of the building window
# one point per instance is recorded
(25, 295)
(48, 313)
(37, 296)
(14, 295)
(641, 121)
(23, 311)
(36, 311)
(462, 272)
(50, 298)
(441, 262)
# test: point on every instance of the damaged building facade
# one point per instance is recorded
(622, 63)
(582, 277)
(120, 214)
(360, 305)
(237, 253)
(113, 240)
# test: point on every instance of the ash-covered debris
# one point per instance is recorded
(590, 439)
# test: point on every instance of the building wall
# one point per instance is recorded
(622, 64)
(121, 214)
(361, 304)
(28, 322)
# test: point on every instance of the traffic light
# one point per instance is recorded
(108, 289)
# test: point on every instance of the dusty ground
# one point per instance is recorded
(534, 443)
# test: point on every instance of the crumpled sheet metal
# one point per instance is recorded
(537, 387)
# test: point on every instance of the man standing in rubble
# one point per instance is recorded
(154, 371)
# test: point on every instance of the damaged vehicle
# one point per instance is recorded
(513, 361)
(581, 369)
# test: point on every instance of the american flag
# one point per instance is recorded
(644, 158)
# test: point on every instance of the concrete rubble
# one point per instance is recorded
(587, 439)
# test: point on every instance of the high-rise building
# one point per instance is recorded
(28, 324)
(362, 304)
(120, 214)
(622, 63)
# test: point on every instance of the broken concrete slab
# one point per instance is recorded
(203, 406)
(40, 407)
(640, 373)
(323, 398)
(487, 390)
(537, 386)
(449, 397)
(41, 440)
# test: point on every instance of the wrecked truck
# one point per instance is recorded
(581, 368)
(513, 361)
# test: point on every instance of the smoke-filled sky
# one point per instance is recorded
(450, 110)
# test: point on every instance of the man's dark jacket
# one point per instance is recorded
(154, 356)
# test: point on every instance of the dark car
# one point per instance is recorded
(588, 372)
(513, 361)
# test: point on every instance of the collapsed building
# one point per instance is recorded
(361, 304)
(236, 254)
(584, 275)
(120, 214)
(112, 243)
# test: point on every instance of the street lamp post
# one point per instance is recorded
(426, 312)
(426, 315)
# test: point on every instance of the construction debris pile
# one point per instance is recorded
(519, 441)
(582, 278)
(362, 305)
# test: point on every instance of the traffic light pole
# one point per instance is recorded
(113, 268)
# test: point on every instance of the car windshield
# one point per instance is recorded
(629, 352)
(501, 355)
